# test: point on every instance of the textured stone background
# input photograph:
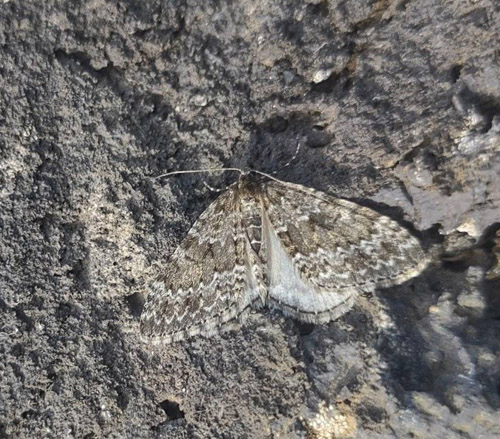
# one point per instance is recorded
(396, 104)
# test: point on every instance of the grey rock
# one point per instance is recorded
(97, 97)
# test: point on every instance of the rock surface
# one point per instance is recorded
(395, 103)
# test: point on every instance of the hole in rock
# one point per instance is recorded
(135, 303)
(172, 409)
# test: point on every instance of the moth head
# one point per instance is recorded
(249, 182)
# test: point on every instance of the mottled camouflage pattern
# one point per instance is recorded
(279, 244)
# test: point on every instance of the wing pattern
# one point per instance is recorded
(204, 286)
(276, 243)
(328, 249)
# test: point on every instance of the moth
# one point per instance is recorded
(276, 244)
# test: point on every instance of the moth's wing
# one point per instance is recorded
(322, 251)
(204, 287)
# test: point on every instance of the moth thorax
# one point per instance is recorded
(249, 185)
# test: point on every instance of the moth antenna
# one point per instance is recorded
(211, 188)
(269, 176)
(198, 171)
(289, 162)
